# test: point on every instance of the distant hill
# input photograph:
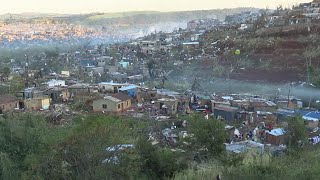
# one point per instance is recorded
(150, 17)
(134, 17)
(28, 15)
(121, 25)
(148, 21)
(101, 16)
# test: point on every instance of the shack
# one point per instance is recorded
(261, 105)
(167, 105)
(275, 136)
(54, 83)
(110, 87)
(112, 103)
(129, 90)
(227, 113)
(79, 89)
(311, 119)
(190, 45)
(8, 103)
(36, 104)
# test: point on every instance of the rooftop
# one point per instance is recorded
(312, 116)
(306, 114)
(261, 104)
(79, 86)
(226, 108)
(121, 96)
(111, 84)
(191, 43)
(244, 146)
(166, 99)
(112, 99)
(7, 98)
(227, 97)
(128, 87)
(87, 63)
(276, 132)
(167, 92)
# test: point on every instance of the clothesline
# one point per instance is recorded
(314, 140)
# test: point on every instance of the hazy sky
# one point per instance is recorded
(87, 6)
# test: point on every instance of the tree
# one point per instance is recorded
(158, 163)
(21, 139)
(261, 21)
(7, 170)
(15, 84)
(151, 67)
(219, 70)
(209, 136)
(296, 133)
(5, 72)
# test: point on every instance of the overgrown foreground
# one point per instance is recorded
(32, 148)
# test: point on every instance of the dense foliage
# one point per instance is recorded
(33, 149)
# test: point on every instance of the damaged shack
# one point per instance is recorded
(112, 103)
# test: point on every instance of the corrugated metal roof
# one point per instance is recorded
(80, 85)
(286, 112)
(276, 132)
(225, 108)
(112, 84)
(243, 146)
(167, 92)
(306, 115)
(270, 103)
(312, 116)
(112, 99)
(191, 43)
(87, 63)
(118, 97)
(121, 96)
(128, 87)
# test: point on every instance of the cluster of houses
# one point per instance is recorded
(202, 24)
(109, 97)
(244, 17)
(40, 31)
(260, 121)
(305, 13)
(257, 123)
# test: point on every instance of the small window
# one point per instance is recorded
(104, 106)
(127, 103)
(119, 106)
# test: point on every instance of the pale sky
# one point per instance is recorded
(88, 6)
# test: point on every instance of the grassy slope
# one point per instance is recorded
(269, 55)
(304, 166)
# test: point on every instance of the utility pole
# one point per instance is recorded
(288, 97)
(310, 102)
(27, 70)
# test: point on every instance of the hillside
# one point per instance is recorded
(272, 54)
(131, 18)
(152, 17)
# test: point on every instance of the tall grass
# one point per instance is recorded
(304, 165)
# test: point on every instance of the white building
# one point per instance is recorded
(53, 83)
